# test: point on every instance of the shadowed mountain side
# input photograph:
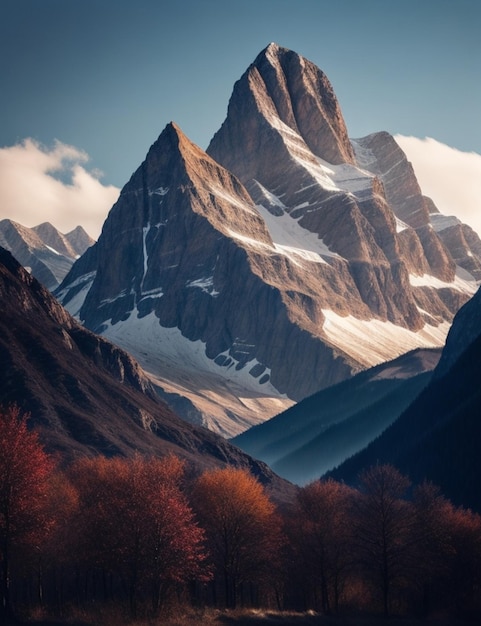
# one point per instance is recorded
(85, 395)
(319, 432)
(438, 437)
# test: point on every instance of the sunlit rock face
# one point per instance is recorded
(248, 277)
(361, 198)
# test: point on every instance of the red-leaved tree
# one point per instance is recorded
(24, 489)
(136, 523)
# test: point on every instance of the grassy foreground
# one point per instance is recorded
(250, 618)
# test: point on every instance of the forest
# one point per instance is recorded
(146, 536)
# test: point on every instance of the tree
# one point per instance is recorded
(432, 541)
(24, 472)
(242, 528)
(136, 522)
(383, 527)
(322, 534)
(464, 559)
(55, 554)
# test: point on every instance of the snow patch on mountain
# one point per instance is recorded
(290, 237)
(205, 284)
(52, 250)
(371, 341)
(344, 177)
(137, 335)
(400, 225)
(73, 303)
(364, 156)
(463, 282)
(160, 191)
(230, 398)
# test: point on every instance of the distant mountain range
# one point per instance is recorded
(85, 395)
(43, 250)
(285, 259)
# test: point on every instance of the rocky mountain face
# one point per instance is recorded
(321, 431)
(43, 250)
(280, 262)
(87, 396)
(72, 244)
(437, 438)
(447, 243)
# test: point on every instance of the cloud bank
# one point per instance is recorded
(40, 184)
(450, 177)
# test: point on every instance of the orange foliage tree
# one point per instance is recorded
(242, 527)
(135, 522)
(24, 472)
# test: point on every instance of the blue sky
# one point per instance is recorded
(106, 76)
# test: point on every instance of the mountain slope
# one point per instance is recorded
(439, 436)
(46, 252)
(321, 431)
(87, 396)
(274, 266)
(355, 210)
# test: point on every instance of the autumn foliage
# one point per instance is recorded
(144, 534)
(243, 530)
(135, 524)
(25, 517)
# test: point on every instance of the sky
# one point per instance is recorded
(88, 85)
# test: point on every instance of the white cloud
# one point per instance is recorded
(450, 177)
(40, 184)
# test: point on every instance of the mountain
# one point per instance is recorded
(43, 250)
(465, 331)
(380, 154)
(86, 396)
(438, 437)
(318, 433)
(72, 244)
(249, 277)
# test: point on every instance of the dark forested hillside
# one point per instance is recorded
(321, 431)
(438, 437)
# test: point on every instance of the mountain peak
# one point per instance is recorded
(80, 240)
(177, 164)
(284, 95)
(272, 50)
(269, 267)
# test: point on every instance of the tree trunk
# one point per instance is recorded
(6, 605)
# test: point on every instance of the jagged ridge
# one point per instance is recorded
(273, 266)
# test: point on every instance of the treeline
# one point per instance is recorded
(144, 533)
